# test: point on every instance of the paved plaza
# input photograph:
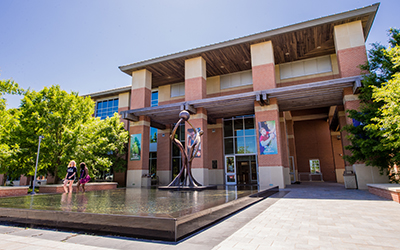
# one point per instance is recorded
(302, 216)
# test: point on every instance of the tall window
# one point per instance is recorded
(106, 108)
(240, 135)
(154, 98)
(176, 153)
(153, 141)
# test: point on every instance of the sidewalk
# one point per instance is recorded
(304, 216)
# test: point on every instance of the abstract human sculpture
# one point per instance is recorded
(187, 156)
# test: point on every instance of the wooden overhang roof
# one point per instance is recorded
(296, 97)
(291, 43)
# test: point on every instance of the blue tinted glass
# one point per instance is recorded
(251, 144)
(249, 132)
(99, 105)
(239, 133)
(116, 103)
(240, 146)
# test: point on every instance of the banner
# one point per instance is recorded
(267, 138)
(135, 147)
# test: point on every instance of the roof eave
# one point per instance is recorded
(372, 9)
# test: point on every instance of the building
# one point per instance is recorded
(271, 105)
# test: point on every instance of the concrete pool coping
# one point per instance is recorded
(160, 228)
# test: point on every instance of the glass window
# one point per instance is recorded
(176, 153)
(243, 141)
(154, 99)
(106, 108)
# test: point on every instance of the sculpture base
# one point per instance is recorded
(187, 188)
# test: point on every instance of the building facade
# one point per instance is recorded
(271, 106)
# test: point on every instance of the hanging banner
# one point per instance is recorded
(267, 138)
(135, 147)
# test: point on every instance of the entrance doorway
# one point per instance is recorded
(241, 170)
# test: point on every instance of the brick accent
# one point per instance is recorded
(202, 124)
(13, 191)
(91, 186)
(350, 59)
(264, 77)
(140, 98)
(215, 145)
(387, 194)
(269, 115)
(195, 88)
(164, 150)
(144, 130)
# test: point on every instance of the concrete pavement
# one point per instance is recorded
(303, 216)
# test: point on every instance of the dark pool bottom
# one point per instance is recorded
(143, 213)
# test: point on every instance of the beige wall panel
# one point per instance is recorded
(134, 179)
(335, 65)
(164, 177)
(339, 175)
(368, 175)
(164, 93)
(271, 176)
(348, 35)
(123, 100)
(201, 175)
(262, 53)
(141, 79)
(195, 67)
(277, 74)
(286, 176)
(216, 176)
(213, 85)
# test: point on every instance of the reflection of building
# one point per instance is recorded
(301, 77)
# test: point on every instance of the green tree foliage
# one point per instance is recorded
(376, 140)
(70, 133)
(8, 122)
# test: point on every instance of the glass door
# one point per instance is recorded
(230, 170)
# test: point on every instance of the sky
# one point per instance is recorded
(79, 45)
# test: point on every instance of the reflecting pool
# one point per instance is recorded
(133, 201)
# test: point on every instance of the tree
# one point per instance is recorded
(8, 122)
(374, 136)
(70, 133)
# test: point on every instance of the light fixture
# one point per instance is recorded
(222, 66)
(318, 47)
(287, 53)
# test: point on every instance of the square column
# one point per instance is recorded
(263, 66)
(350, 48)
(270, 164)
(364, 174)
(138, 164)
(200, 165)
(195, 79)
(291, 143)
(285, 148)
(164, 147)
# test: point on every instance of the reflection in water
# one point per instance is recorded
(131, 201)
(81, 202)
(66, 199)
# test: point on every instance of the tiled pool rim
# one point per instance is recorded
(170, 227)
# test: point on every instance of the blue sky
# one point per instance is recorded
(80, 44)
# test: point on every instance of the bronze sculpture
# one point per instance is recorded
(187, 157)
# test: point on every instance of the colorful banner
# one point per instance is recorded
(267, 138)
(135, 147)
(190, 139)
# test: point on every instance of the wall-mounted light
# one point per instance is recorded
(338, 137)
(213, 130)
